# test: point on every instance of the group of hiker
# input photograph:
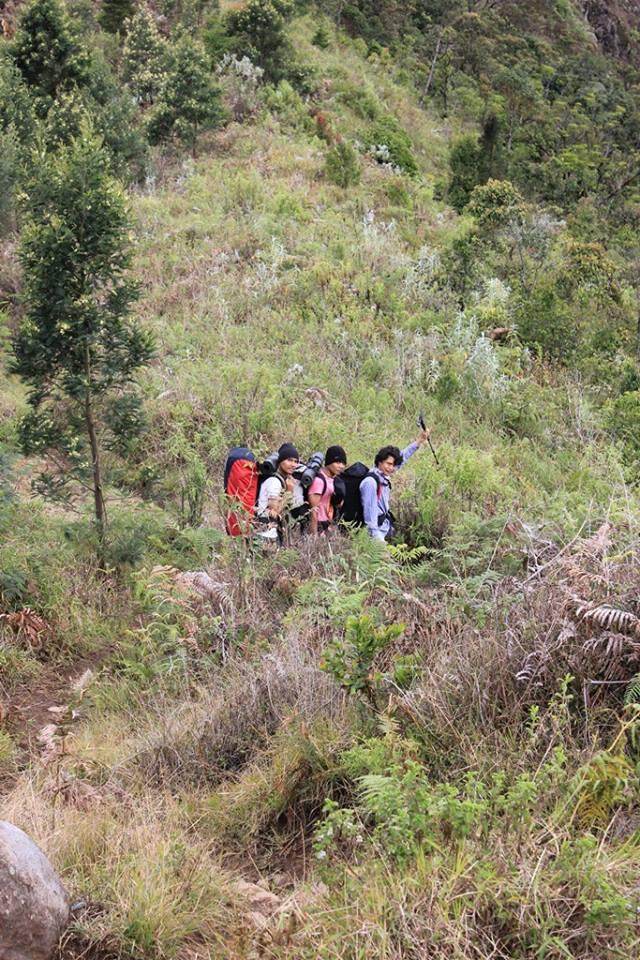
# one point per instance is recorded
(268, 500)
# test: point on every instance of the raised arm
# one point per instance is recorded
(409, 451)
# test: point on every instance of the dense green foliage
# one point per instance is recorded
(188, 101)
(46, 52)
(143, 56)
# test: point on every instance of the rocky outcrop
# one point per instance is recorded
(613, 23)
(34, 908)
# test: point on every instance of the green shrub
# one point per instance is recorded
(259, 32)
(351, 661)
(623, 420)
(545, 322)
(47, 53)
(342, 165)
(189, 101)
(322, 37)
(465, 159)
(494, 203)
(361, 99)
(289, 106)
(387, 142)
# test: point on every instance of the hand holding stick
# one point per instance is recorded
(427, 437)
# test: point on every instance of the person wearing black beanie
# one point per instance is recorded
(288, 452)
(335, 455)
(276, 494)
(326, 492)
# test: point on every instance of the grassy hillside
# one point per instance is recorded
(341, 751)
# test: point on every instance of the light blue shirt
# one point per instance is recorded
(375, 494)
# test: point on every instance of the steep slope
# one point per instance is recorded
(337, 750)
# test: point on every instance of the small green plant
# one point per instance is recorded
(343, 165)
(351, 660)
(339, 826)
(632, 691)
(8, 753)
(322, 37)
(406, 669)
(609, 780)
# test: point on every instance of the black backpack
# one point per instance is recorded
(351, 511)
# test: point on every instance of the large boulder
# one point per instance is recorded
(34, 908)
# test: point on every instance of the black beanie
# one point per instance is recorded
(287, 452)
(335, 455)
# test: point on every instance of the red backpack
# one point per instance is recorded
(241, 484)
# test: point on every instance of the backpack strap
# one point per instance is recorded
(379, 484)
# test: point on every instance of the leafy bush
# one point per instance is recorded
(546, 323)
(389, 143)
(351, 660)
(342, 166)
(465, 162)
(259, 33)
(494, 203)
(47, 52)
(143, 56)
(322, 37)
(623, 420)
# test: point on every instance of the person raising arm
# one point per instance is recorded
(375, 489)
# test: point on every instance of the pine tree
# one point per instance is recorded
(78, 347)
(189, 101)
(47, 53)
(144, 55)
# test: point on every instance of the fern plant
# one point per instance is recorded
(609, 780)
(632, 691)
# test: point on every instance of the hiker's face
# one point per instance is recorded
(335, 469)
(288, 466)
(387, 467)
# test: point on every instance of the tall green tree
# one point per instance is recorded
(47, 52)
(259, 33)
(144, 56)
(78, 347)
(189, 101)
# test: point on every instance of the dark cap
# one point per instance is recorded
(288, 452)
(335, 455)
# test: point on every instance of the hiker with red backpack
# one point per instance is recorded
(259, 493)
(325, 494)
(375, 488)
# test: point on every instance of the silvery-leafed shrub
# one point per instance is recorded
(239, 81)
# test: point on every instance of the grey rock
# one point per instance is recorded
(34, 908)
